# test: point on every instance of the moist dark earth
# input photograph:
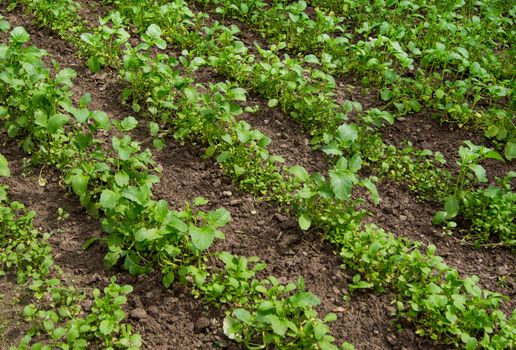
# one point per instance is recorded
(171, 318)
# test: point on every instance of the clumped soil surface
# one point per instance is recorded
(171, 318)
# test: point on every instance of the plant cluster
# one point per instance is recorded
(320, 195)
(273, 79)
(264, 312)
(114, 182)
(440, 62)
(55, 312)
(430, 294)
(489, 211)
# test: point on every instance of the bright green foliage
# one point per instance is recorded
(4, 167)
(116, 188)
(430, 294)
(421, 171)
(264, 312)
(320, 202)
(56, 313)
(103, 46)
(449, 62)
(142, 232)
(491, 210)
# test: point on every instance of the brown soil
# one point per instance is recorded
(173, 319)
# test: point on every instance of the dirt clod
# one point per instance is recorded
(139, 314)
(201, 324)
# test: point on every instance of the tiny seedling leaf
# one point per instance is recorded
(304, 222)
(4, 167)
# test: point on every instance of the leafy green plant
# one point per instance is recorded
(104, 44)
(432, 295)
(469, 170)
(116, 186)
(56, 314)
(265, 312)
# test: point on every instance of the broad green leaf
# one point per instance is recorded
(106, 327)
(59, 332)
(111, 258)
(101, 120)
(56, 122)
(304, 300)
(265, 306)
(272, 103)
(492, 131)
(238, 94)
(386, 95)
(131, 263)
(311, 59)
(80, 184)
(341, 184)
(29, 310)
(153, 31)
(479, 171)
(232, 328)
(168, 279)
(299, 172)
(278, 326)
(19, 35)
(510, 150)
(4, 26)
(415, 105)
(88, 38)
(469, 341)
(191, 94)
(159, 144)
(153, 128)
(355, 163)
(122, 179)
(243, 315)
(439, 217)
(330, 317)
(128, 123)
(147, 234)
(304, 222)
(65, 77)
(132, 194)
(320, 331)
(108, 199)
(178, 225)
(492, 154)
(4, 167)
(348, 132)
(200, 201)
(202, 237)
(451, 206)
(463, 52)
(371, 187)
(94, 64)
(219, 217)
